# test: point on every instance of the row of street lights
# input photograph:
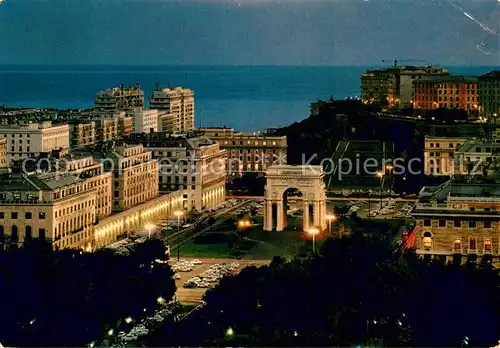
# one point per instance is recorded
(314, 231)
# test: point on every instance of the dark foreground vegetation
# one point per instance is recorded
(70, 298)
(356, 291)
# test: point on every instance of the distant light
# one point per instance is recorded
(32, 321)
(110, 332)
(230, 331)
(160, 300)
(128, 320)
(295, 333)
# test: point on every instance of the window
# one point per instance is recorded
(442, 223)
(2, 215)
(487, 244)
(427, 222)
(41, 215)
(427, 240)
(14, 235)
(472, 209)
(13, 215)
(432, 144)
(457, 223)
(472, 224)
(27, 232)
(487, 223)
(41, 234)
(451, 145)
(437, 145)
(457, 245)
(472, 244)
(27, 215)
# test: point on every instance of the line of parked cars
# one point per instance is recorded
(212, 276)
(354, 206)
(125, 339)
(185, 266)
(405, 211)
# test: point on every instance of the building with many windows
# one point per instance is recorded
(192, 163)
(448, 92)
(176, 106)
(248, 152)
(458, 218)
(135, 175)
(489, 95)
(119, 98)
(83, 133)
(439, 155)
(60, 209)
(3, 153)
(393, 86)
(32, 139)
(144, 121)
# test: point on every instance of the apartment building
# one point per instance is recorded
(32, 139)
(125, 125)
(145, 121)
(107, 129)
(135, 175)
(458, 218)
(3, 153)
(192, 163)
(83, 133)
(248, 152)
(176, 106)
(439, 155)
(59, 209)
(393, 86)
(489, 95)
(449, 92)
(119, 98)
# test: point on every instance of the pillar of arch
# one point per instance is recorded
(309, 180)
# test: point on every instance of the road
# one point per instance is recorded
(180, 237)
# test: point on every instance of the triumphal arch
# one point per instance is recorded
(309, 181)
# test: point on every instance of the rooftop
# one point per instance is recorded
(447, 79)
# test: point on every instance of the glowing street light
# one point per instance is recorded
(230, 332)
(314, 231)
(381, 176)
(128, 320)
(178, 213)
(110, 332)
(330, 218)
(244, 223)
(160, 300)
(149, 227)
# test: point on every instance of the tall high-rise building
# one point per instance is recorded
(119, 98)
(32, 139)
(176, 108)
(393, 86)
(489, 95)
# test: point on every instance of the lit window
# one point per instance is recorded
(487, 244)
(457, 245)
(427, 240)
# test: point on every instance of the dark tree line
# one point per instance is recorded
(357, 291)
(70, 298)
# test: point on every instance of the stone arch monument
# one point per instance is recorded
(309, 180)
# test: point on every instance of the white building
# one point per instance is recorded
(177, 108)
(29, 140)
(144, 121)
(194, 164)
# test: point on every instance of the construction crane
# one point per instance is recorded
(396, 61)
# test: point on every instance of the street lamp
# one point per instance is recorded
(381, 176)
(243, 223)
(149, 227)
(314, 231)
(178, 213)
(330, 218)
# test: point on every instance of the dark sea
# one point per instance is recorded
(247, 98)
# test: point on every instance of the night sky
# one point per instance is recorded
(264, 32)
